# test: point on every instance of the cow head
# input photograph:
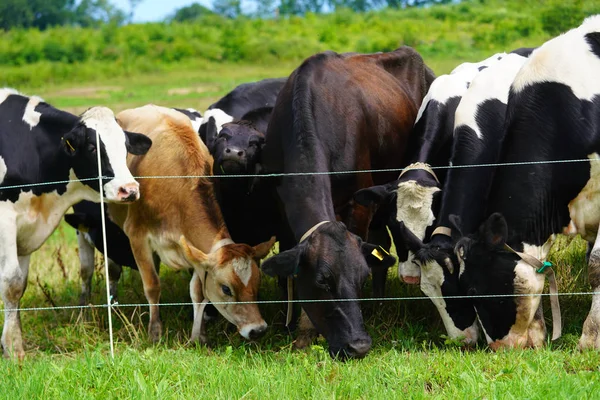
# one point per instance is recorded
(330, 265)
(81, 145)
(488, 269)
(233, 277)
(440, 282)
(235, 148)
(408, 199)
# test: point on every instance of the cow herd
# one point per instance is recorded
(496, 159)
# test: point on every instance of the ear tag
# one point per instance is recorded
(546, 264)
(70, 146)
(377, 254)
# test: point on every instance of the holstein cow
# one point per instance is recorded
(240, 101)
(553, 114)
(412, 198)
(337, 112)
(478, 135)
(180, 221)
(41, 144)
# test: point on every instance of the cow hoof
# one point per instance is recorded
(590, 338)
(17, 353)
(155, 332)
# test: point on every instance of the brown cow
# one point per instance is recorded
(178, 220)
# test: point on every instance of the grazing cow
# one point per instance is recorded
(242, 100)
(553, 114)
(179, 222)
(478, 135)
(412, 197)
(337, 112)
(40, 144)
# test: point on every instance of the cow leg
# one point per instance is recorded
(145, 262)
(536, 332)
(199, 326)
(590, 337)
(306, 332)
(379, 236)
(87, 264)
(114, 274)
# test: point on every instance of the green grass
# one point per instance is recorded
(68, 351)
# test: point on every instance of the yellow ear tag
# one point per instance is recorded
(70, 146)
(377, 254)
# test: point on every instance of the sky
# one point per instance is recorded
(156, 10)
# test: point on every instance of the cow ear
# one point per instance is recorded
(380, 194)
(261, 250)
(283, 264)
(211, 134)
(411, 241)
(377, 256)
(73, 140)
(137, 143)
(495, 231)
(193, 254)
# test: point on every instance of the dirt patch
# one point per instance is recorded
(92, 92)
(196, 89)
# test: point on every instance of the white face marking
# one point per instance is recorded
(3, 169)
(30, 116)
(566, 59)
(220, 116)
(585, 208)
(491, 83)
(243, 269)
(112, 136)
(5, 92)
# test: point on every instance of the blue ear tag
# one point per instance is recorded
(546, 264)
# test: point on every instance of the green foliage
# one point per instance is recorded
(190, 13)
(467, 31)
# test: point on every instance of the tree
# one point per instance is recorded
(228, 8)
(190, 13)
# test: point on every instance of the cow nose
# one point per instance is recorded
(234, 153)
(129, 193)
(254, 331)
(257, 332)
(359, 348)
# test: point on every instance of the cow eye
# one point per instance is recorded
(226, 290)
(91, 148)
(322, 284)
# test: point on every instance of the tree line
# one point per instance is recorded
(42, 14)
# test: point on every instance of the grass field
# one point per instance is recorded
(68, 351)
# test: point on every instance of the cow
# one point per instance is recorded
(242, 100)
(414, 197)
(336, 113)
(194, 116)
(478, 136)
(552, 115)
(50, 160)
(179, 223)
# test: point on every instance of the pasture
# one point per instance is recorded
(68, 350)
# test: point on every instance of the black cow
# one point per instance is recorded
(553, 114)
(337, 112)
(40, 144)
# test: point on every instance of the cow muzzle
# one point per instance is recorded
(253, 331)
(128, 193)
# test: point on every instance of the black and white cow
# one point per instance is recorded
(194, 116)
(553, 114)
(478, 135)
(40, 144)
(412, 197)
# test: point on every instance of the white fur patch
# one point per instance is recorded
(246, 329)
(30, 116)
(3, 169)
(585, 208)
(5, 92)
(473, 68)
(103, 120)
(491, 83)
(220, 116)
(413, 206)
(566, 59)
(243, 269)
